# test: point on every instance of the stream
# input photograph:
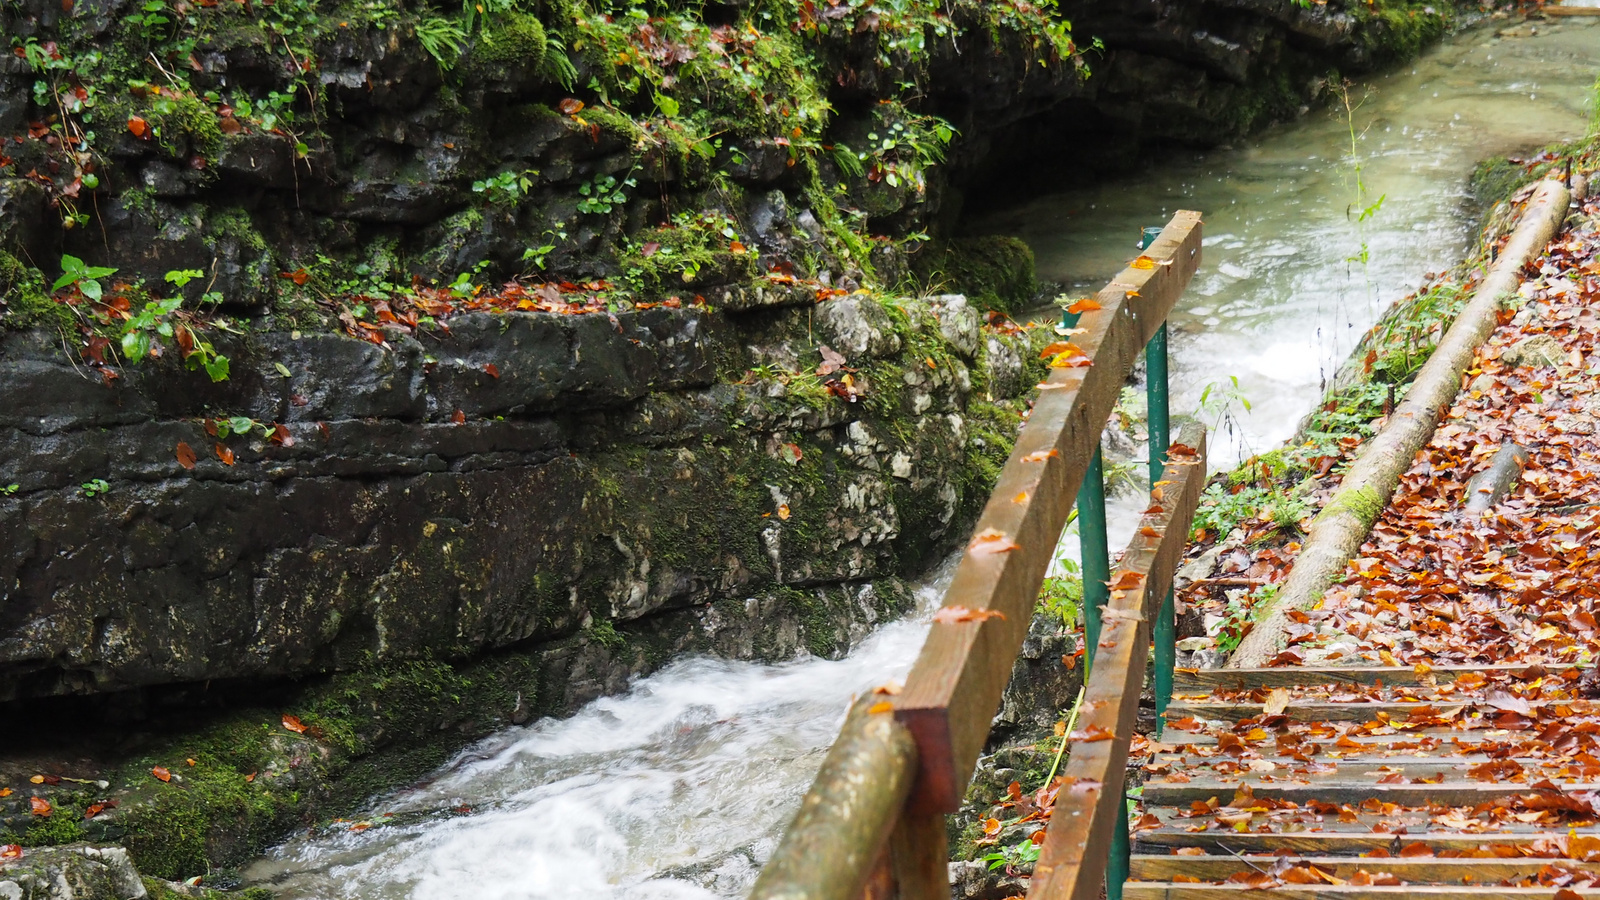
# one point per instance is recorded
(681, 786)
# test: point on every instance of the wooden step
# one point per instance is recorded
(1357, 711)
(1291, 676)
(1331, 842)
(1157, 890)
(1458, 793)
(1146, 867)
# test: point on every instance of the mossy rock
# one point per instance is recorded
(511, 49)
(24, 303)
(994, 271)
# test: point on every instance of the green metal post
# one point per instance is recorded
(1117, 863)
(1096, 555)
(1165, 632)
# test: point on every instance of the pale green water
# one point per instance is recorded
(703, 764)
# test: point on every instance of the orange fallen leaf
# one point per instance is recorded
(293, 724)
(138, 127)
(191, 761)
(1143, 262)
(1149, 532)
(952, 615)
(492, 369)
(1091, 734)
(736, 247)
(991, 827)
(224, 453)
(250, 778)
(40, 806)
(783, 511)
(94, 809)
(571, 106)
(881, 706)
(1041, 455)
(5, 792)
(1087, 304)
(891, 688)
(991, 541)
(459, 417)
(1021, 497)
(186, 455)
(1127, 581)
(161, 773)
(10, 851)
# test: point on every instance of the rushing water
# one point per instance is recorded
(679, 787)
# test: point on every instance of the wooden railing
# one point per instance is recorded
(872, 824)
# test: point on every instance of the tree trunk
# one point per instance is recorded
(1339, 530)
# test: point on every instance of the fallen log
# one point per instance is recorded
(1338, 531)
(1486, 488)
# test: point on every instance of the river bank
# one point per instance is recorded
(457, 701)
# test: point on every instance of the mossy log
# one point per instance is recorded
(1339, 530)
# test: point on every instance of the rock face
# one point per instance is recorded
(77, 872)
(390, 504)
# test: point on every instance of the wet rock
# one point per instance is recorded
(972, 880)
(1535, 351)
(73, 872)
(958, 322)
(858, 327)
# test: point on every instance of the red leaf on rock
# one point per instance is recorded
(161, 773)
(40, 806)
(293, 724)
(224, 453)
(186, 457)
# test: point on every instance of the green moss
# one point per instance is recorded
(24, 302)
(1394, 30)
(510, 41)
(994, 271)
(185, 125)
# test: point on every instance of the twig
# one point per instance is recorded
(1242, 859)
(1071, 721)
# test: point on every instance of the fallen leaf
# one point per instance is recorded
(1087, 304)
(1277, 702)
(458, 417)
(293, 724)
(10, 851)
(1091, 734)
(1142, 262)
(571, 106)
(161, 773)
(991, 541)
(1021, 497)
(224, 453)
(952, 615)
(139, 128)
(882, 706)
(492, 369)
(1041, 455)
(783, 511)
(94, 809)
(40, 806)
(186, 456)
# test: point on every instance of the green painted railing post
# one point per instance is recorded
(1096, 555)
(1117, 863)
(1164, 634)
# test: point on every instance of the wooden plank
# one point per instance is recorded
(1572, 10)
(1290, 676)
(1428, 869)
(1147, 890)
(847, 815)
(1325, 842)
(919, 849)
(954, 687)
(1401, 735)
(1449, 794)
(1358, 711)
(1072, 862)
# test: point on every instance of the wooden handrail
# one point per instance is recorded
(1072, 862)
(872, 824)
(956, 683)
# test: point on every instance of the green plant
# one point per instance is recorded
(1218, 400)
(94, 487)
(240, 425)
(602, 193)
(442, 39)
(9, 490)
(1025, 853)
(506, 187)
(537, 255)
(86, 278)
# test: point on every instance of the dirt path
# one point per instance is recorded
(1450, 749)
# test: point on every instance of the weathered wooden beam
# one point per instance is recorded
(1449, 870)
(1072, 862)
(1161, 891)
(834, 848)
(1292, 676)
(1360, 711)
(955, 686)
(1327, 842)
(1457, 793)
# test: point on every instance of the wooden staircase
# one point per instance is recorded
(1373, 782)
